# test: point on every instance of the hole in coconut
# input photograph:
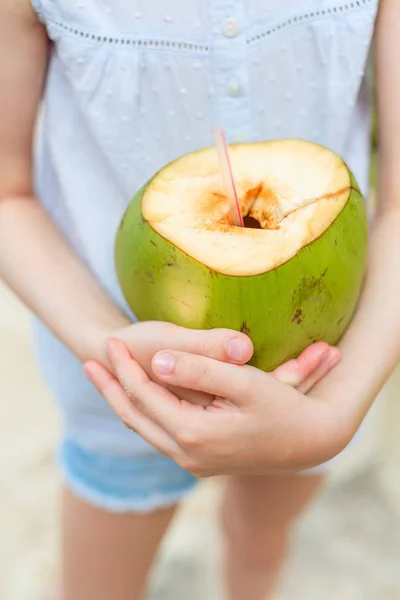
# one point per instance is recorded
(251, 223)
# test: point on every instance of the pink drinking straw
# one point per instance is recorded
(227, 176)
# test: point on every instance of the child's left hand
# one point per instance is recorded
(257, 424)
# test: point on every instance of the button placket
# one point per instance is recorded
(232, 105)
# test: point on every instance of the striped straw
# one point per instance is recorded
(227, 176)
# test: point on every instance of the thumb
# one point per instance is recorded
(225, 345)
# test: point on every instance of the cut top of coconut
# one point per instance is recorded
(290, 192)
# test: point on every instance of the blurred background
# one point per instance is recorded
(346, 547)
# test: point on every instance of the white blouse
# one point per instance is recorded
(133, 84)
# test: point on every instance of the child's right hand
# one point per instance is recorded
(147, 338)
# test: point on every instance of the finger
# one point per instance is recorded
(297, 370)
(191, 396)
(332, 359)
(220, 344)
(117, 351)
(153, 400)
(205, 374)
(130, 415)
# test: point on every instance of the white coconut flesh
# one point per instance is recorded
(290, 192)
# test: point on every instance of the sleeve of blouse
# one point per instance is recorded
(38, 8)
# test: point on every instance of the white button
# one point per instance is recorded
(230, 28)
(235, 88)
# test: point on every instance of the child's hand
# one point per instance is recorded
(145, 339)
(252, 424)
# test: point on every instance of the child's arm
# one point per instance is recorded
(371, 348)
(35, 261)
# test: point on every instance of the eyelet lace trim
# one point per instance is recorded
(316, 14)
(163, 44)
(139, 43)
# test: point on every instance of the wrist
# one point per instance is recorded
(104, 329)
(338, 423)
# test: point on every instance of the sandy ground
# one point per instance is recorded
(347, 546)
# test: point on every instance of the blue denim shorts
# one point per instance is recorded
(123, 484)
(102, 461)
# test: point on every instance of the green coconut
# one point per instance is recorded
(290, 277)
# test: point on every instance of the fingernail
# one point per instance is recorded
(88, 372)
(237, 349)
(334, 359)
(325, 356)
(288, 373)
(164, 363)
